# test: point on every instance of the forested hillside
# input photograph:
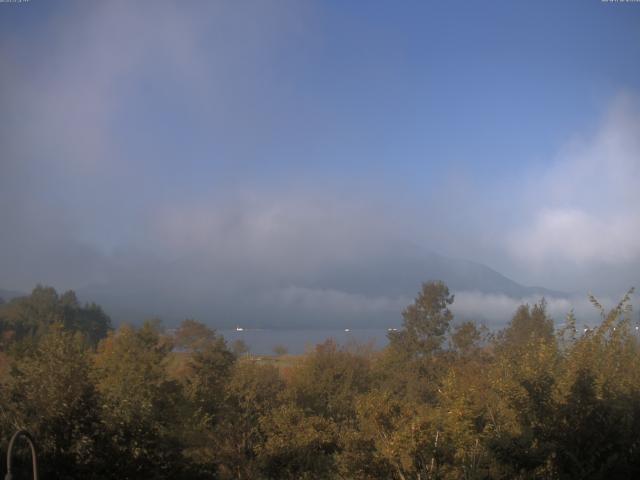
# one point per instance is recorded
(445, 400)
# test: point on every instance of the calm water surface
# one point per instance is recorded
(263, 341)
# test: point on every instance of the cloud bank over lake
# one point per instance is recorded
(282, 163)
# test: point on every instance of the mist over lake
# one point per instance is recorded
(294, 240)
(298, 341)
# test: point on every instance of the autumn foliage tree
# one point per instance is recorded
(444, 400)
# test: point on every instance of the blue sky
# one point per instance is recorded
(269, 139)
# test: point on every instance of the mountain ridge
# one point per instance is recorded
(347, 294)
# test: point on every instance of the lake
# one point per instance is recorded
(297, 341)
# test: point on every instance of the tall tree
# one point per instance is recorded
(140, 407)
(251, 395)
(50, 394)
(206, 372)
(413, 365)
(27, 318)
(425, 322)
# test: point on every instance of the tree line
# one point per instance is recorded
(444, 399)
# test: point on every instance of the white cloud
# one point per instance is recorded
(497, 310)
(584, 211)
(64, 174)
(69, 181)
(295, 233)
(578, 236)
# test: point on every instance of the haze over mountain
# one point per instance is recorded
(7, 295)
(278, 162)
(363, 292)
(402, 274)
